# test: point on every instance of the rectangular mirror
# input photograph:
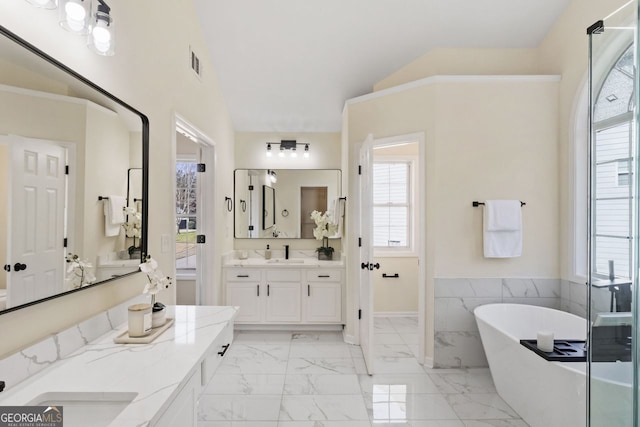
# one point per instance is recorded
(278, 202)
(73, 179)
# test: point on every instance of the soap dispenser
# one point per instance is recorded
(267, 253)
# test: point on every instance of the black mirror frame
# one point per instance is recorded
(145, 159)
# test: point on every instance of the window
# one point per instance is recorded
(612, 157)
(186, 210)
(392, 209)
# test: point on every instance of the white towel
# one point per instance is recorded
(502, 229)
(113, 215)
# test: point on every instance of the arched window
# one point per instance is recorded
(611, 166)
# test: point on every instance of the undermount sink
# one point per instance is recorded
(94, 409)
(286, 261)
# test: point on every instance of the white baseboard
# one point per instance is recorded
(395, 314)
(259, 327)
(350, 339)
(428, 362)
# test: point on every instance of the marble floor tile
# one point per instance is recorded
(329, 408)
(495, 423)
(398, 407)
(323, 336)
(392, 350)
(312, 384)
(248, 350)
(264, 337)
(404, 321)
(245, 384)
(320, 349)
(212, 407)
(397, 365)
(387, 338)
(321, 366)
(237, 424)
(409, 383)
(318, 423)
(233, 365)
(356, 351)
(477, 382)
(471, 406)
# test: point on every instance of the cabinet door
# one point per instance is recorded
(322, 302)
(283, 302)
(247, 297)
(183, 411)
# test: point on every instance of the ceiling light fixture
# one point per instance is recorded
(290, 146)
(101, 31)
(73, 15)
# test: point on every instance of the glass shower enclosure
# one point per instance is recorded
(612, 366)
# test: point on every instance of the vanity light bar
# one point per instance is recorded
(287, 145)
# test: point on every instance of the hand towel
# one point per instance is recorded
(113, 215)
(502, 229)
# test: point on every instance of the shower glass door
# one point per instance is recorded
(613, 214)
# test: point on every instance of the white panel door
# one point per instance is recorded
(247, 297)
(283, 302)
(366, 251)
(36, 220)
(322, 303)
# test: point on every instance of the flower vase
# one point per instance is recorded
(324, 257)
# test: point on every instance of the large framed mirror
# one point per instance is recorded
(73, 179)
(277, 203)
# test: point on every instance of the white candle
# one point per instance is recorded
(545, 341)
(139, 320)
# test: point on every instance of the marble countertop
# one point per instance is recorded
(297, 259)
(155, 371)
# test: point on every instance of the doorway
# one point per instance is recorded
(391, 212)
(311, 199)
(194, 173)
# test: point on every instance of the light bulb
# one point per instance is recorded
(101, 37)
(294, 154)
(281, 153)
(268, 153)
(306, 154)
(75, 11)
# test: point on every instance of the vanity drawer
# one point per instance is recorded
(214, 358)
(322, 275)
(243, 275)
(284, 275)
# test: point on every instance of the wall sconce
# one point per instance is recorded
(272, 175)
(73, 15)
(101, 31)
(76, 16)
(288, 145)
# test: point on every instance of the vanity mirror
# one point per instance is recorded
(71, 156)
(278, 202)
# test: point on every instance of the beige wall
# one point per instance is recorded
(150, 72)
(391, 295)
(486, 138)
(463, 62)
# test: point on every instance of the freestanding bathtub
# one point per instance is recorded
(550, 394)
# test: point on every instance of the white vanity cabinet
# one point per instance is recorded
(286, 295)
(183, 411)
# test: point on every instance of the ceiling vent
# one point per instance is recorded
(196, 65)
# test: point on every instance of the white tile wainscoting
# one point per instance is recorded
(457, 341)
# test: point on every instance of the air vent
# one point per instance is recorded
(196, 65)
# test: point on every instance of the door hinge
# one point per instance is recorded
(66, 170)
(202, 167)
(359, 169)
(64, 242)
(359, 314)
(251, 188)
(359, 242)
(200, 238)
(251, 228)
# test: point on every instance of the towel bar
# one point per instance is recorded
(103, 198)
(476, 204)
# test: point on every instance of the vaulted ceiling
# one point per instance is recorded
(289, 65)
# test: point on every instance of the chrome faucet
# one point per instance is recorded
(286, 251)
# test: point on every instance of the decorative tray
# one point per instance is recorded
(124, 337)
(563, 350)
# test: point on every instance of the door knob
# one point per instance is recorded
(19, 267)
(369, 265)
(7, 267)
